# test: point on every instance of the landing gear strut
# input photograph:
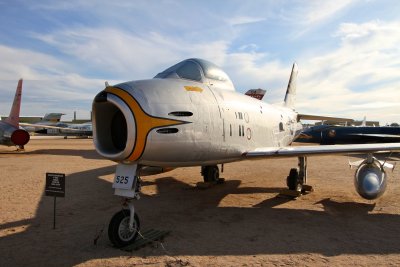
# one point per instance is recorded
(297, 179)
(125, 225)
(298, 176)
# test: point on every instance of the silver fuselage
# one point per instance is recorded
(186, 123)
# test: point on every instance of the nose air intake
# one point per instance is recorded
(119, 130)
(114, 127)
(121, 125)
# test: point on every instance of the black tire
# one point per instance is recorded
(293, 180)
(118, 229)
(210, 174)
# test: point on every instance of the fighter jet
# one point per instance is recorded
(10, 132)
(191, 115)
(331, 134)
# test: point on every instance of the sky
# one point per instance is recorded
(348, 52)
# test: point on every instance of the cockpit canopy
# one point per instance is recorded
(198, 70)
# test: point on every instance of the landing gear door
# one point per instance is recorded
(125, 176)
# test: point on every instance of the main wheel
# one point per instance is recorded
(118, 229)
(210, 173)
(293, 180)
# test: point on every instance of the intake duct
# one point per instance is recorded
(114, 127)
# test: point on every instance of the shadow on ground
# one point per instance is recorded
(199, 226)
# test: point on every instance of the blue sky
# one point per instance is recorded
(348, 52)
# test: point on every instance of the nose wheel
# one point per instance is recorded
(120, 232)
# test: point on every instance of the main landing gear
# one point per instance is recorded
(297, 179)
(125, 225)
(211, 174)
(20, 148)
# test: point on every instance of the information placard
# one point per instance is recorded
(55, 184)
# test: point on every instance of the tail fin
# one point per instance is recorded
(290, 97)
(364, 121)
(52, 117)
(13, 118)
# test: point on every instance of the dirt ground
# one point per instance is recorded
(238, 223)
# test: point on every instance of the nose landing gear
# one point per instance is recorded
(124, 226)
(122, 230)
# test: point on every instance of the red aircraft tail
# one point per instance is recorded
(13, 118)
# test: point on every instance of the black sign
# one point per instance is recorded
(55, 184)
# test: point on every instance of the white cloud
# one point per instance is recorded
(124, 54)
(257, 70)
(343, 82)
(240, 20)
(18, 63)
(358, 75)
(313, 14)
(318, 11)
(359, 78)
(49, 84)
(354, 31)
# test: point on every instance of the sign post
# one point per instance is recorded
(55, 186)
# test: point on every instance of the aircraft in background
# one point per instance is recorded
(10, 132)
(59, 128)
(191, 115)
(331, 134)
(49, 119)
(80, 129)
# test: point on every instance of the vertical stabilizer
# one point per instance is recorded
(364, 122)
(13, 118)
(290, 97)
(52, 117)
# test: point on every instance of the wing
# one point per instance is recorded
(377, 135)
(41, 126)
(296, 151)
(322, 118)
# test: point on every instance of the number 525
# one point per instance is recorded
(121, 179)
